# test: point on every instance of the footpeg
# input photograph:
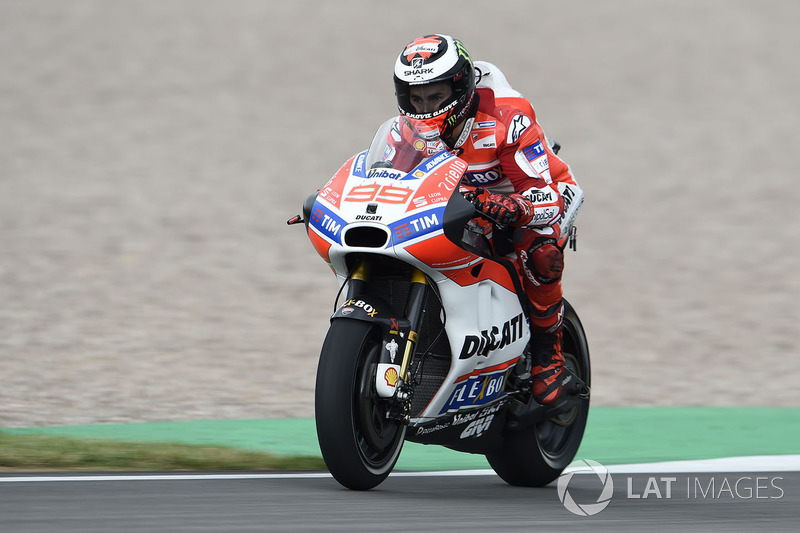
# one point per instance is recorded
(577, 387)
(583, 391)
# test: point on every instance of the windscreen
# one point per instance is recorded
(402, 144)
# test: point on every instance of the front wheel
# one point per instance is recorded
(359, 444)
(536, 456)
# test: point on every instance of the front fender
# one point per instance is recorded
(394, 331)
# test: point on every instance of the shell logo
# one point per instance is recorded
(391, 376)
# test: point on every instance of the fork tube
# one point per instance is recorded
(415, 306)
(359, 279)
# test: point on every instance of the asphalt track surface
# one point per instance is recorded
(765, 501)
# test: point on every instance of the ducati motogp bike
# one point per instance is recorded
(430, 343)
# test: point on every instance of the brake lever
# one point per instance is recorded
(473, 194)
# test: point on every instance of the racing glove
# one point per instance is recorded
(511, 210)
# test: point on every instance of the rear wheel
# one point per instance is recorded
(359, 444)
(537, 455)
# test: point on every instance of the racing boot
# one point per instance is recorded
(548, 371)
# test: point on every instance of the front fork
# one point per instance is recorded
(415, 307)
(414, 311)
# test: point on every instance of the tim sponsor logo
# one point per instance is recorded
(418, 225)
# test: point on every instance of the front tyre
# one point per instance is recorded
(536, 456)
(359, 444)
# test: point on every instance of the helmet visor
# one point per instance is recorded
(430, 102)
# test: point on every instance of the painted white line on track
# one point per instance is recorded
(756, 463)
(761, 463)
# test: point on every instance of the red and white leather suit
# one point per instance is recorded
(508, 153)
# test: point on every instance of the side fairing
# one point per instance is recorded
(486, 344)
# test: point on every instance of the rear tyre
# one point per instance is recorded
(359, 444)
(536, 456)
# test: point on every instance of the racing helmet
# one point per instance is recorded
(433, 59)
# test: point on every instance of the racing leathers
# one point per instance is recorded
(508, 155)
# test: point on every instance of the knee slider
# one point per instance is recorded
(545, 260)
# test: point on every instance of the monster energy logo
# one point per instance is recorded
(462, 52)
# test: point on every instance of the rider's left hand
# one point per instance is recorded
(511, 210)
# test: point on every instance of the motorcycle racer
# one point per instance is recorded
(484, 121)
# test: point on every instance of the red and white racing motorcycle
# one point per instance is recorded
(431, 342)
